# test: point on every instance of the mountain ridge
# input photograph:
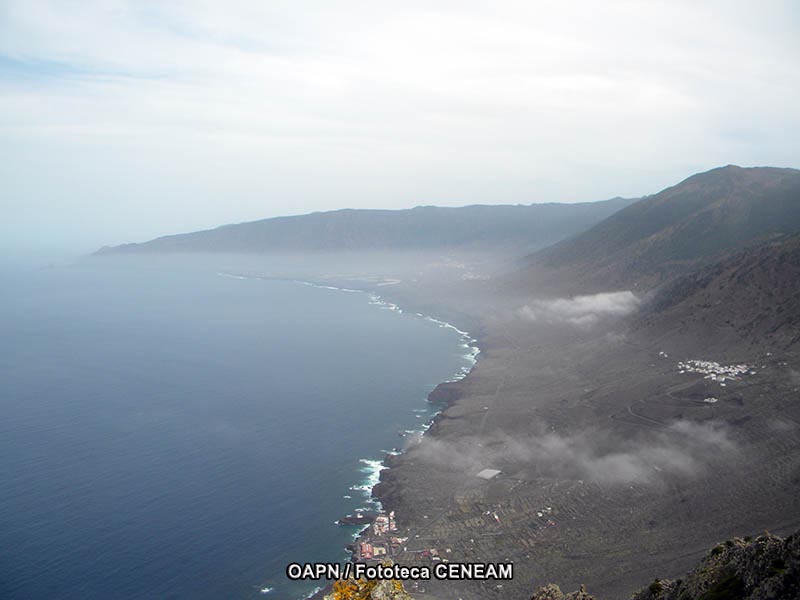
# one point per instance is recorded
(683, 227)
(516, 228)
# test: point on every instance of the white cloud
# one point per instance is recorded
(582, 311)
(682, 449)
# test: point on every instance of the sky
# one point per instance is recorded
(121, 121)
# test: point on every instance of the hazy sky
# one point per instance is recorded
(120, 121)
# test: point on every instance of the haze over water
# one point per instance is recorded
(169, 432)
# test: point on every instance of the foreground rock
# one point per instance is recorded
(767, 568)
(352, 589)
(553, 592)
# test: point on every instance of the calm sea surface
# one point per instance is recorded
(173, 433)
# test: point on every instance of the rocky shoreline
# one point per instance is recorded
(387, 490)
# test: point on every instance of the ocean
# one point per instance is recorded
(175, 432)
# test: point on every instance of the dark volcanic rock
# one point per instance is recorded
(445, 393)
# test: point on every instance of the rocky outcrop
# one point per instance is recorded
(361, 589)
(553, 592)
(767, 568)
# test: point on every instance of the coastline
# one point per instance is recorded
(444, 395)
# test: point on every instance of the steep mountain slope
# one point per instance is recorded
(511, 228)
(681, 228)
(752, 296)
